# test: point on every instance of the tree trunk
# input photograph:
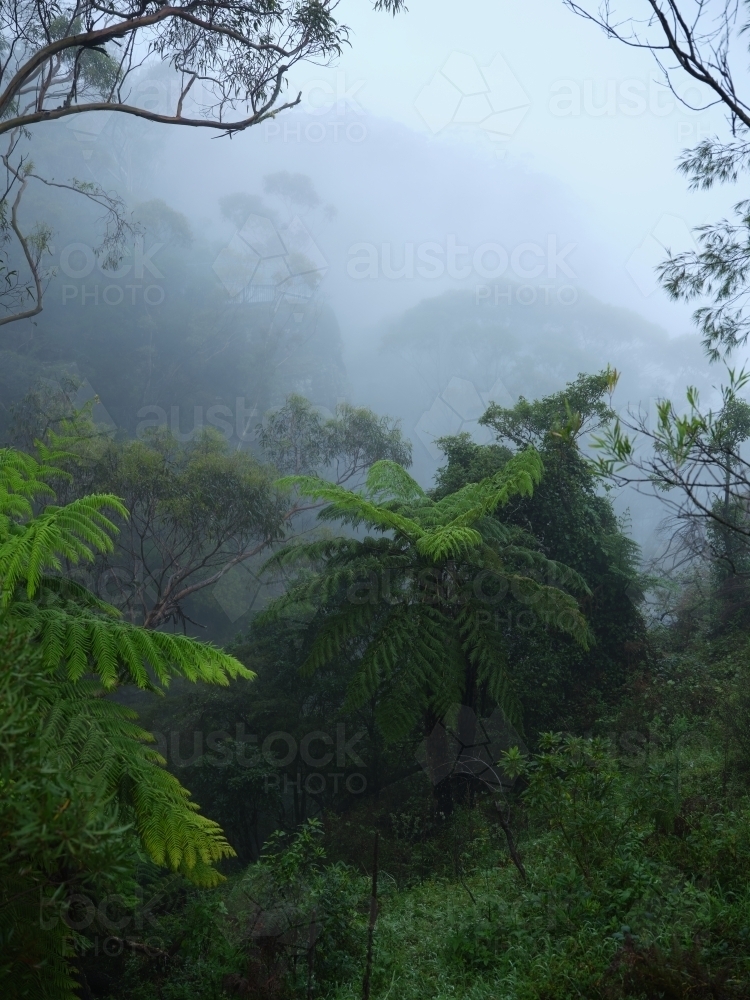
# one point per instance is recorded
(440, 763)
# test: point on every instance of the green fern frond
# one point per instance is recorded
(449, 542)
(118, 651)
(70, 590)
(298, 552)
(336, 631)
(553, 607)
(98, 739)
(20, 482)
(518, 477)
(484, 647)
(410, 643)
(410, 639)
(389, 479)
(345, 502)
(73, 532)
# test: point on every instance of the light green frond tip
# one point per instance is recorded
(389, 479)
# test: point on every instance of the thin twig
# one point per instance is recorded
(503, 820)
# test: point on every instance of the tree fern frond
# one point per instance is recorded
(448, 542)
(410, 639)
(423, 638)
(334, 633)
(518, 477)
(553, 607)
(98, 739)
(70, 590)
(73, 532)
(484, 646)
(345, 502)
(116, 650)
(297, 552)
(386, 479)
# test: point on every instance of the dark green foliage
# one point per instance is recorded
(290, 925)
(78, 633)
(80, 786)
(634, 843)
(58, 830)
(468, 462)
(472, 944)
(82, 794)
(410, 610)
(575, 525)
(303, 910)
(235, 782)
(561, 416)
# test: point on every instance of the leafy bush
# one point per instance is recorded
(296, 918)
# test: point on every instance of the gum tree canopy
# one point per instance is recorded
(700, 44)
(60, 61)
(229, 60)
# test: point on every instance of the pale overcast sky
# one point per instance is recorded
(488, 121)
(591, 114)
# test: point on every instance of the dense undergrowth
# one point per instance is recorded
(635, 845)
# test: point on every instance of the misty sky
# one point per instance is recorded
(399, 137)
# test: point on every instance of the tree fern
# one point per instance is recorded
(79, 783)
(73, 627)
(422, 645)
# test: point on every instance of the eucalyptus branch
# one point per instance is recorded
(694, 463)
(701, 47)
